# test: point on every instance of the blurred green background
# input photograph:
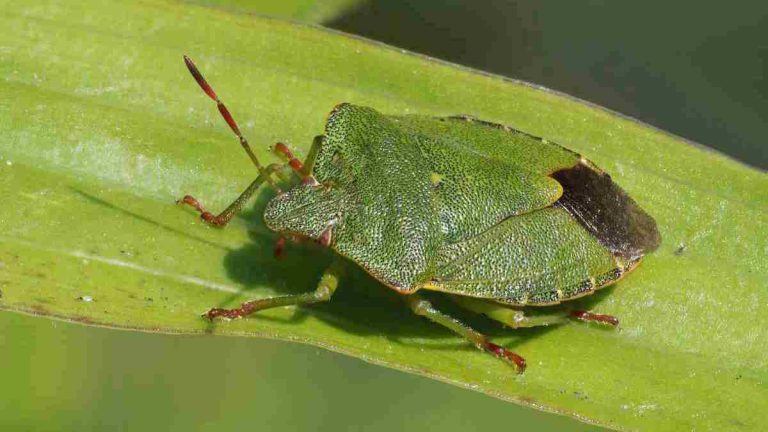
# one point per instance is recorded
(695, 69)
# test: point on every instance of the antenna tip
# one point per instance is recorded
(200, 80)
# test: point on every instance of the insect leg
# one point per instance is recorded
(224, 217)
(423, 307)
(589, 316)
(279, 247)
(511, 316)
(309, 162)
(328, 283)
(304, 171)
(224, 113)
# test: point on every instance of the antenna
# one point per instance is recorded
(223, 110)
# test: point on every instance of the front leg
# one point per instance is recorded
(224, 217)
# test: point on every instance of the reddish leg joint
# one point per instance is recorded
(589, 316)
(505, 354)
(292, 161)
(279, 247)
(325, 237)
(204, 214)
(295, 164)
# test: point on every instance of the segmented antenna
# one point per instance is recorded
(223, 110)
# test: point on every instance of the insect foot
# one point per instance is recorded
(243, 310)
(505, 355)
(589, 316)
(325, 289)
(204, 214)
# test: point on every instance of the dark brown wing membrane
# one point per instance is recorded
(606, 211)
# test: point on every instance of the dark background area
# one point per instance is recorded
(696, 69)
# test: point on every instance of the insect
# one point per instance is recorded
(491, 217)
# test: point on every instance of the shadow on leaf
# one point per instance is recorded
(360, 306)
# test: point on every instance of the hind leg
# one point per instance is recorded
(423, 307)
(518, 317)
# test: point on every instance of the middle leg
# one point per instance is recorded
(325, 289)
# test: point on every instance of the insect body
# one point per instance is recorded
(492, 217)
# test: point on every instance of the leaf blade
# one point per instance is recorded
(104, 129)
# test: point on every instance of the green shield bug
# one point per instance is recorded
(493, 218)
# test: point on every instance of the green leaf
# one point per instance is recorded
(103, 129)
